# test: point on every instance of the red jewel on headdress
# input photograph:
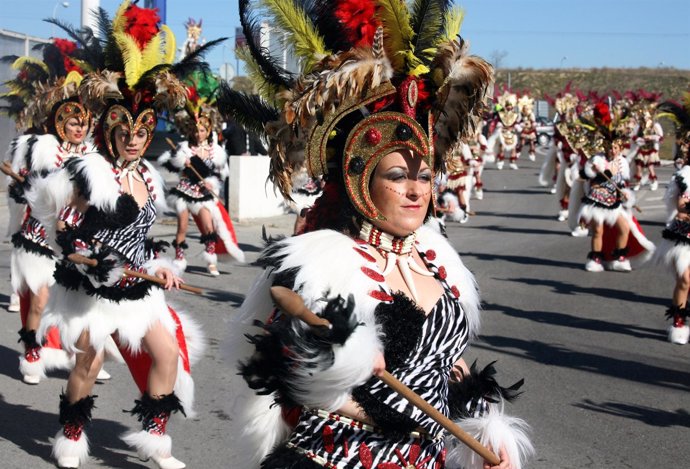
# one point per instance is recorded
(113, 116)
(373, 136)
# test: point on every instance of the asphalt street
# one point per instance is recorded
(603, 388)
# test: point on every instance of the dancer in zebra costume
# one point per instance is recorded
(396, 293)
(102, 208)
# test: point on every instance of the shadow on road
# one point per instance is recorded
(566, 288)
(522, 260)
(32, 431)
(550, 354)
(529, 231)
(525, 216)
(648, 415)
(567, 320)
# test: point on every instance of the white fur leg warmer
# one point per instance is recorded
(64, 448)
(149, 444)
(36, 368)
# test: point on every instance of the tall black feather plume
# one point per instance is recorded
(249, 111)
(89, 49)
(427, 22)
(321, 13)
(272, 72)
(112, 57)
(681, 114)
(193, 61)
(8, 59)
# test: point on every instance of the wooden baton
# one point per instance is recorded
(79, 259)
(291, 303)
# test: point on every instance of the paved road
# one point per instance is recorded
(603, 387)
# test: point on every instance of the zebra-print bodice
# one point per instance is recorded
(129, 241)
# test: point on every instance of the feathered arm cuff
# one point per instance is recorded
(596, 164)
(152, 266)
(476, 403)
(173, 162)
(317, 369)
(495, 430)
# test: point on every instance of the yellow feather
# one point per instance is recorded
(267, 91)
(170, 44)
(131, 56)
(19, 63)
(303, 38)
(119, 21)
(152, 54)
(397, 32)
(453, 22)
(73, 77)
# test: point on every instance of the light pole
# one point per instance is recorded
(563, 59)
(57, 4)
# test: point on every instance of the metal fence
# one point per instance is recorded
(12, 43)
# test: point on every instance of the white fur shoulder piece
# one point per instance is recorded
(220, 160)
(457, 275)
(94, 174)
(177, 157)
(673, 192)
(44, 153)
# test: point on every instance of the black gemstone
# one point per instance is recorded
(356, 165)
(404, 132)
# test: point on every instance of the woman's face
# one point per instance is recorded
(128, 146)
(75, 130)
(401, 189)
(201, 134)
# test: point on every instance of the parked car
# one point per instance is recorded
(544, 131)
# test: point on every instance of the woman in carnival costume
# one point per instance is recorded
(203, 166)
(47, 92)
(364, 113)
(106, 205)
(674, 250)
(648, 137)
(607, 204)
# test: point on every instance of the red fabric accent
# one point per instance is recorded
(24, 306)
(140, 364)
(142, 24)
(291, 415)
(52, 339)
(220, 245)
(609, 242)
(328, 441)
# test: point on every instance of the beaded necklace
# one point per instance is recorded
(397, 251)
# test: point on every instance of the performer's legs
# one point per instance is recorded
(620, 261)
(209, 238)
(638, 175)
(158, 403)
(514, 154)
(653, 183)
(180, 244)
(31, 366)
(679, 332)
(71, 445)
(596, 256)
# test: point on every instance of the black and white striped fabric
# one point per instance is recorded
(130, 240)
(331, 441)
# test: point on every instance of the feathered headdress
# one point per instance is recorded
(376, 77)
(200, 110)
(41, 85)
(679, 113)
(604, 128)
(138, 78)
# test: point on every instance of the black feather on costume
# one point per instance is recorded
(250, 111)
(464, 396)
(29, 338)
(401, 323)
(147, 407)
(78, 413)
(19, 241)
(285, 457)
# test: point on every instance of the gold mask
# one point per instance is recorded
(67, 111)
(119, 115)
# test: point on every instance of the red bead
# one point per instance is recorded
(430, 254)
(373, 136)
(113, 116)
(454, 290)
(442, 273)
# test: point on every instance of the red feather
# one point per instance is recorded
(66, 48)
(357, 18)
(142, 24)
(602, 113)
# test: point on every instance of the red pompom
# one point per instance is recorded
(602, 113)
(357, 18)
(142, 24)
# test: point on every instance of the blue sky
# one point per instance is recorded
(531, 33)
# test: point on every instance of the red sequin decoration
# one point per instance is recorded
(365, 456)
(380, 295)
(365, 254)
(430, 255)
(442, 273)
(454, 290)
(372, 274)
(327, 436)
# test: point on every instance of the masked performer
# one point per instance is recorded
(649, 136)
(106, 204)
(505, 135)
(528, 126)
(607, 204)
(49, 91)
(396, 293)
(674, 250)
(203, 166)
